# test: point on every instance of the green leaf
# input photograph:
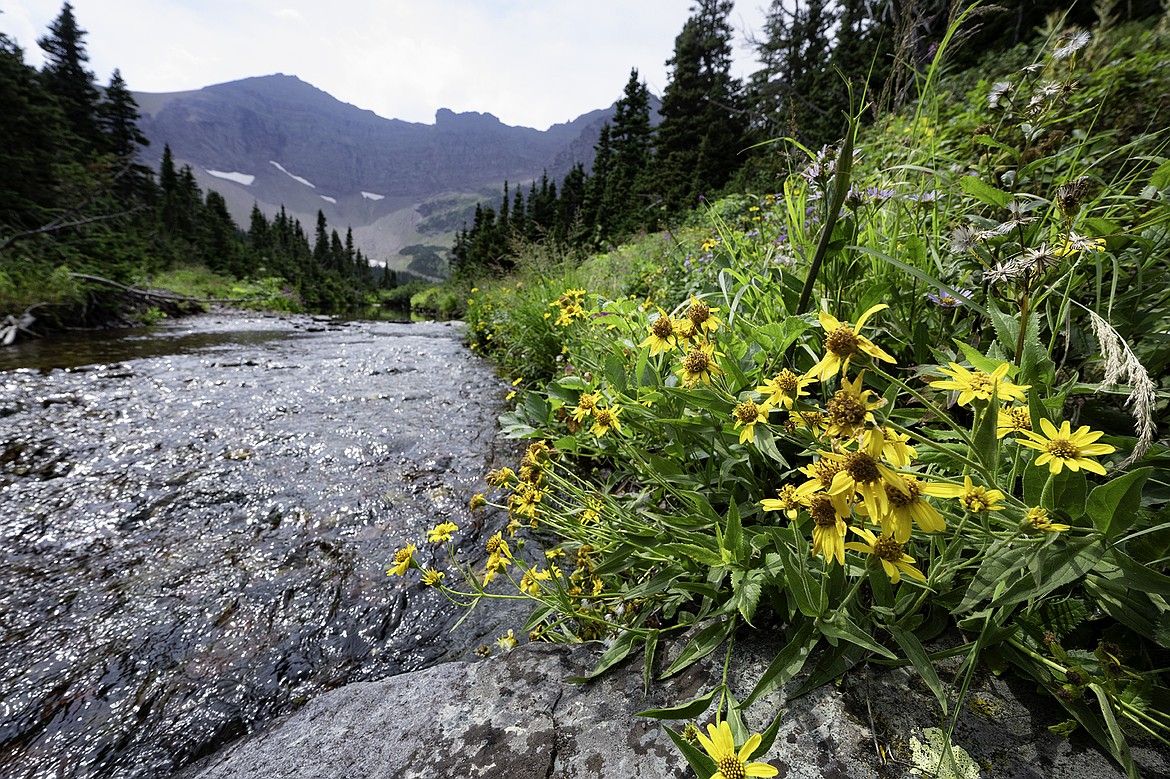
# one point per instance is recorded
(806, 591)
(833, 663)
(704, 643)
(985, 443)
(689, 710)
(1160, 179)
(912, 648)
(699, 554)
(788, 662)
(1052, 565)
(1114, 505)
(1118, 745)
(987, 140)
(1138, 576)
(615, 372)
(733, 535)
(776, 337)
(1065, 492)
(998, 566)
(648, 660)
(618, 651)
(745, 592)
(840, 626)
(984, 192)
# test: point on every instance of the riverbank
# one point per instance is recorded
(201, 528)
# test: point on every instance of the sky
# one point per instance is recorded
(532, 63)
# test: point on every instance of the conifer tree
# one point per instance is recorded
(703, 124)
(66, 78)
(29, 139)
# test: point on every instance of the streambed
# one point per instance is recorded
(196, 521)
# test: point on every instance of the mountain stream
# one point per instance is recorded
(196, 521)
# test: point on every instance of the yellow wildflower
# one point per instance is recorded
(441, 532)
(747, 414)
(844, 342)
(1037, 519)
(890, 552)
(703, 316)
(699, 365)
(431, 577)
(1062, 447)
(977, 384)
(783, 389)
(402, 560)
(606, 419)
(1013, 419)
(732, 764)
(662, 337)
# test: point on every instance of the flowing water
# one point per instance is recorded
(196, 521)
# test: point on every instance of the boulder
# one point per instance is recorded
(516, 716)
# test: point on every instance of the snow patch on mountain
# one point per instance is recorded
(292, 176)
(240, 178)
(328, 199)
(373, 196)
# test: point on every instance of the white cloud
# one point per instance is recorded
(529, 62)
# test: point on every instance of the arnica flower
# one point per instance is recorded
(889, 551)
(703, 316)
(863, 473)
(585, 405)
(849, 408)
(431, 577)
(526, 501)
(591, 512)
(783, 389)
(979, 385)
(699, 365)
(1037, 518)
(441, 532)
(530, 581)
(844, 342)
(1013, 419)
(788, 500)
(500, 478)
(662, 337)
(685, 331)
(507, 641)
(1061, 447)
(403, 559)
(894, 446)
(820, 473)
(606, 419)
(974, 499)
(829, 513)
(732, 764)
(907, 508)
(747, 414)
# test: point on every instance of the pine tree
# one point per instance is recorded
(30, 135)
(118, 118)
(626, 186)
(65, 77)
(703, 124)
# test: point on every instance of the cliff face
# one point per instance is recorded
(276, 140)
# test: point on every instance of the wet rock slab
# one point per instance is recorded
(514, 716)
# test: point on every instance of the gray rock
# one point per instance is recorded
(515, 716)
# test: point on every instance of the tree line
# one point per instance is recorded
(716, 132)
(74, 194)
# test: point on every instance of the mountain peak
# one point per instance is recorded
(447, 118)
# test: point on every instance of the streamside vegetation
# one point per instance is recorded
(908, 402)
(77, 207)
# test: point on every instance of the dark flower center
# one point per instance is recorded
(842, 342)
(862, 468)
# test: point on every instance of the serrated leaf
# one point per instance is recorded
(699, 554)
(984, 192)
(746, 591)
